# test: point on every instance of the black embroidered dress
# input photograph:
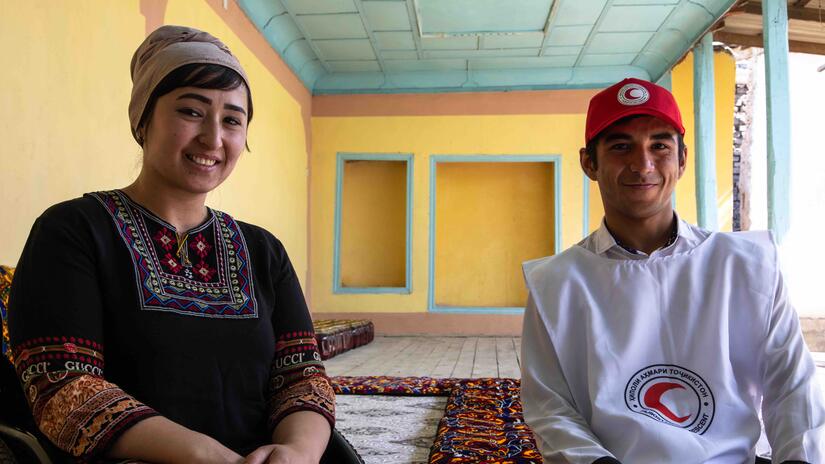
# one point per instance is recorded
(212, 332)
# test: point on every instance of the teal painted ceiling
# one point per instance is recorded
(391, 46)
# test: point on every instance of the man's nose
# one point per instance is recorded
(641, 160)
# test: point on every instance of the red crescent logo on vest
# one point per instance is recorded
(671, 395)
(653, 399)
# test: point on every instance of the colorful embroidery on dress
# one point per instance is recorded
(298, 380)
(71, 403)
(6, 274)
(204, 273)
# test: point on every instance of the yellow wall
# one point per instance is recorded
(374, 224)
(65, 128)
(491, 135)
(559, 134)
(490, 217)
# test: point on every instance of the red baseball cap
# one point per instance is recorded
(627, 98)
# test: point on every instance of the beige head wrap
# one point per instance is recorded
(163, 51)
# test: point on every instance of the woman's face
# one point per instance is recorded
(194, 138)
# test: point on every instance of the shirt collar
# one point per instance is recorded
(604, 240)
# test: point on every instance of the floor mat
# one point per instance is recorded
(480, 421)
(386, 429)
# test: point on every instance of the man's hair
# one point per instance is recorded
(590, 148)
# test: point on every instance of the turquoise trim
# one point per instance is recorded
(269, 18)
(479, 310)
(666, 80)
(336, 247)
(434, 160)
(775, 26)
(476, 80)
(705, 133)
(585, 206)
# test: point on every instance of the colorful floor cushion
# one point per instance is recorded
(336, 336)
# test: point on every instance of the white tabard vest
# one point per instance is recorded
(667, 359)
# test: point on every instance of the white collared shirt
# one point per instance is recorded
(602, 242)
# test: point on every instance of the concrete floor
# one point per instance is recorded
(465, 357)
(419, 356)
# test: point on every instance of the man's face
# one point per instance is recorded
(637, 167)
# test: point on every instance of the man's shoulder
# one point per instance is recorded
(553, 266)
(757, 244)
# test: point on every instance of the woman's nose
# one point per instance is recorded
(210, 134)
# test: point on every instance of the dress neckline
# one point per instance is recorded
(210, 215)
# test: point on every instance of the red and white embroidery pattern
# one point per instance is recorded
(218, 285)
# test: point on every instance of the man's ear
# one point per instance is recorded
(683, 162)
(587, 164)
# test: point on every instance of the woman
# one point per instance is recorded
(208, 345)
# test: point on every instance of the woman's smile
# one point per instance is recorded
(201, 160)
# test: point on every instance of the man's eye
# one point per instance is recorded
(619, 146)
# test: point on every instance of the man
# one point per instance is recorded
(655, 341)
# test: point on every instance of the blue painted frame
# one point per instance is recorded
(434, 160)
(337, 288)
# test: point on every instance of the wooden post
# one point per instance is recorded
(775, 25)
(705, 133)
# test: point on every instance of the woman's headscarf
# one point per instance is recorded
(163, 51)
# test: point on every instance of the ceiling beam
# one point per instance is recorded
(794, 12)
(746, 40)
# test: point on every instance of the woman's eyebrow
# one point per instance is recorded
(196, 96)
(208, 101)
(234, 108)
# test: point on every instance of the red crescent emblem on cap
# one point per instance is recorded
(633, 94)
(653, 400)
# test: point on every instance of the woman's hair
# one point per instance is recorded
(205, 76)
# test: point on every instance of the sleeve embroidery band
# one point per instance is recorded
(79, 411)
(298, 380)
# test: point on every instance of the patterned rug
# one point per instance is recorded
(6, 274)
(482, 421)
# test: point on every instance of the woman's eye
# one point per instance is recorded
(189, 112)
(233, 121)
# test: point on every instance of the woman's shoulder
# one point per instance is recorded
(79, 209)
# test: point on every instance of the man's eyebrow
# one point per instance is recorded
(617, 136)
(208, 101)
(662, 136)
